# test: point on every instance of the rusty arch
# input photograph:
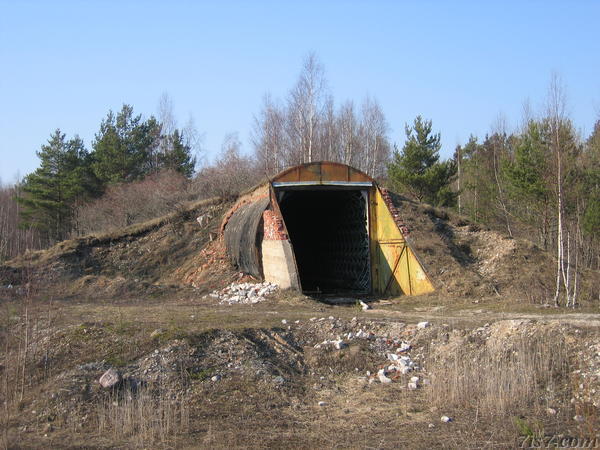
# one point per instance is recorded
(322, 172)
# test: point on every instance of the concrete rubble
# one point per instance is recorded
(244, 293)
(364, 306)
(110, 378)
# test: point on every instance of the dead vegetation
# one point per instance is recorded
(196, 373)
(466, 259)
(202, 378)
(141, 418)
(182, 249)
(143, 258)
(501, 378)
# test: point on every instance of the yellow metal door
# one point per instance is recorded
(395, 268)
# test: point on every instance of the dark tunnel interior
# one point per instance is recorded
(328, 231)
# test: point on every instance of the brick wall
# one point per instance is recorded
(273, 227)
(395, 214)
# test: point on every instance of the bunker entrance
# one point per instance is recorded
(329, 234)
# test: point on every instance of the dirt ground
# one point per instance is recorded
(255, 375)
(481, 363)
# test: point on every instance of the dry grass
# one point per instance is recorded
(529, 376)
(74, 245)
(483, 385)
(142, 418)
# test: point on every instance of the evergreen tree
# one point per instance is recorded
(418, 169)
(49, 193)
(527, 179)
(591, 183)
(178, 155)
(124, 147)
(476, 180)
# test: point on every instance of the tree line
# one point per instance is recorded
(541, 181)
(307, 126)
(126, 148)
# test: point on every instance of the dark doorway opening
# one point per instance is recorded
(329, 234)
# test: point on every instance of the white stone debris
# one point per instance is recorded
(404, 347)
(203, 219)
(423, 325)
(414, 383)
(338, 344)
(110, 378)
(322, 403)
(245, 293)
(215, 378)
(364, 306)
(446, 419)
(361, 334)
(382, 376)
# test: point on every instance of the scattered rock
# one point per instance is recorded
(422, 325)
(156, 333)
(404, 347)
(215, 378)
(339, 344)
(414, 383)
(551, 411)
(110, 378)
(382, 376)
(364, 306)
(244, 293)
(322, 403)
(446, 419)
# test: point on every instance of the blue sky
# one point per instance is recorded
(461, 64)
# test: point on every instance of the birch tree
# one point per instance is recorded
(348, 134)
(268, 136)
(306, 105)
(373, 135)
(562, 148)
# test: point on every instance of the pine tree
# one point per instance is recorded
(124, 146)
(49, 193)
(178, 155)
(418, 169)
(591, 184)
(527, 182)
